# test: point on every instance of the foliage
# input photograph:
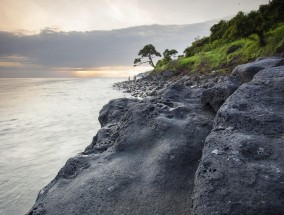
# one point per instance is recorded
(223, 55)
(231, 42)
(218, 30)
(255, 22)
(196, 46)
(149, 52)
(168, 54)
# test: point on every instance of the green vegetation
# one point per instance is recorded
(168, 54)
(238, 40)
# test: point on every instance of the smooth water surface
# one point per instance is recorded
(43, 122)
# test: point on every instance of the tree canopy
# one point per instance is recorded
(149, 52)
(256, 22)
(246, 36)
(168, 54)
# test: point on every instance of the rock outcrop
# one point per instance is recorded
(196, 146)
(143, 160)
(215, 96)
(152, 85)
(242, 166)
(246, 72)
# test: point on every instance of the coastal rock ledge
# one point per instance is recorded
(174, 154)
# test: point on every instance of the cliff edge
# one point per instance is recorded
(212, 146)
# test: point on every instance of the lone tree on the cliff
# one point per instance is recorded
(148, 52)
(168, 54)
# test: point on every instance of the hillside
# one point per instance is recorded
(241, 39)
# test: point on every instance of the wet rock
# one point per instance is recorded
(241, 170)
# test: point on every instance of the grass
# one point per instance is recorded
(215, 55)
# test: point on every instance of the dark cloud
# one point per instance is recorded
(51, 49)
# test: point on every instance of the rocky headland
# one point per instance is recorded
(210, 144)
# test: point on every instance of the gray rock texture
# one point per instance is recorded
(214, 97)
(171, 154)
(246, 72)
(142, 161)
(152, 85)
(242, 166)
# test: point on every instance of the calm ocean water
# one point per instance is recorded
(43, 122)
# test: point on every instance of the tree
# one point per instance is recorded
(148, 52)
(254, 23)
(273, 11)
(243, 25)
(218, 30)
(196, 46)
(237, 27)
(168, 54)
(259, 25)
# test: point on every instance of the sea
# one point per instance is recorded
(43, 122)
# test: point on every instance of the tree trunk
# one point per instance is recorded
(262, 42)
(151, 61)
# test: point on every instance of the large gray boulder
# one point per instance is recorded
(246, 72)
(242, 166)
(216, 96)
(115, 110)
(143, 161)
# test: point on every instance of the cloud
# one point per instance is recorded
(79, 15)
(52, 50)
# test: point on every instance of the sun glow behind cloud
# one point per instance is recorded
(119, 72)
(11, 64)
(53, 53)
(21, 65)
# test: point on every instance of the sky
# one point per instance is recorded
(95, 38)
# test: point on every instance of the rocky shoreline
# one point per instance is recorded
(190, 145)
(152, 85)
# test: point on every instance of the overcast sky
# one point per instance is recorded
(49, 46)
